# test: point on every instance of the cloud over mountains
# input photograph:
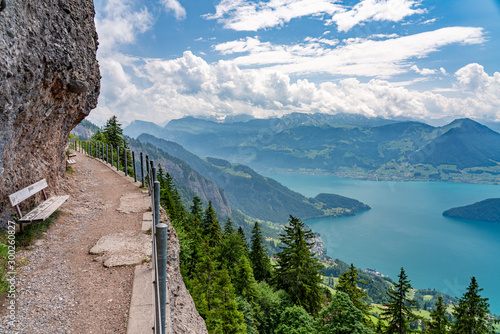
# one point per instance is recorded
(265, 77)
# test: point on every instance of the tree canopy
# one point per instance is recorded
(298, 271)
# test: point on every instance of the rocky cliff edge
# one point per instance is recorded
(49, 81)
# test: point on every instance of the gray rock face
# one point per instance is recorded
(49, 81)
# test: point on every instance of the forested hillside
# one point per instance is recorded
(487, 210)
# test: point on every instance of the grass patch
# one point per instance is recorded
(428, 298)
(35, 230)
(4, 285)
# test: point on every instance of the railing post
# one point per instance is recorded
(112, 158)
(107, 153)
(161, 244)
(142, 171)
(126, 165)
(117, 158)
(133, 165)
(147, 173)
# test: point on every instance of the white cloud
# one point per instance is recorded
(375, 10)
(383, 36)
(190, 86)
(254, 15)
(483, 90)
(251, 16)
(429, 21)
(423, 71)
(355, 57)
(176, 7)
(119, 23)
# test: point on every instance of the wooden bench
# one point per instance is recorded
(43, 210)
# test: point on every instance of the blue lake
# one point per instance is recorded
(405, 228)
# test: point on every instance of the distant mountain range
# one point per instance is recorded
(343, 144)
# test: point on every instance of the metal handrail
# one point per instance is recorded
(158, 230)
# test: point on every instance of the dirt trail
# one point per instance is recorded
(61, 289)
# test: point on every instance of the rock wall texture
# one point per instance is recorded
(184, 318)
(49, 81)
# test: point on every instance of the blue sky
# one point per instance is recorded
(428, 60)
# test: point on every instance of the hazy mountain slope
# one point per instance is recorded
(136, 128)
(251, 193)
(466, 144)
(348, 145)
(188, 181)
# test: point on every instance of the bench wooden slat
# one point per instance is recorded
(45, 209)
(27, 192)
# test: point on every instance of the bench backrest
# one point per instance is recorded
(27, 192)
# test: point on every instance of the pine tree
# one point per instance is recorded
(380, 327)
(228, 227)
(439, 323)
(348, 283)
(113, 132)
(169, 197)
(229, 251)
(196, 208)
(160, 176)
(258, 255)
(203, 284)
(298, 269)
(211, 225)
(243, 237)
(295, 320)
(214, 297)
(224, 316)
(472, 312)
(98, 136)
(399, 309)
(244, 280)
(341, 316)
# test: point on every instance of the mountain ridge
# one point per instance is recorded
(348, 146)
(253, 194)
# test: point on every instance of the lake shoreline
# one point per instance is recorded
(405, 227)
(370, 176)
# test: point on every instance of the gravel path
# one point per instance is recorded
(60, 288)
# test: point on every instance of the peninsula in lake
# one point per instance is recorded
(487, 210)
